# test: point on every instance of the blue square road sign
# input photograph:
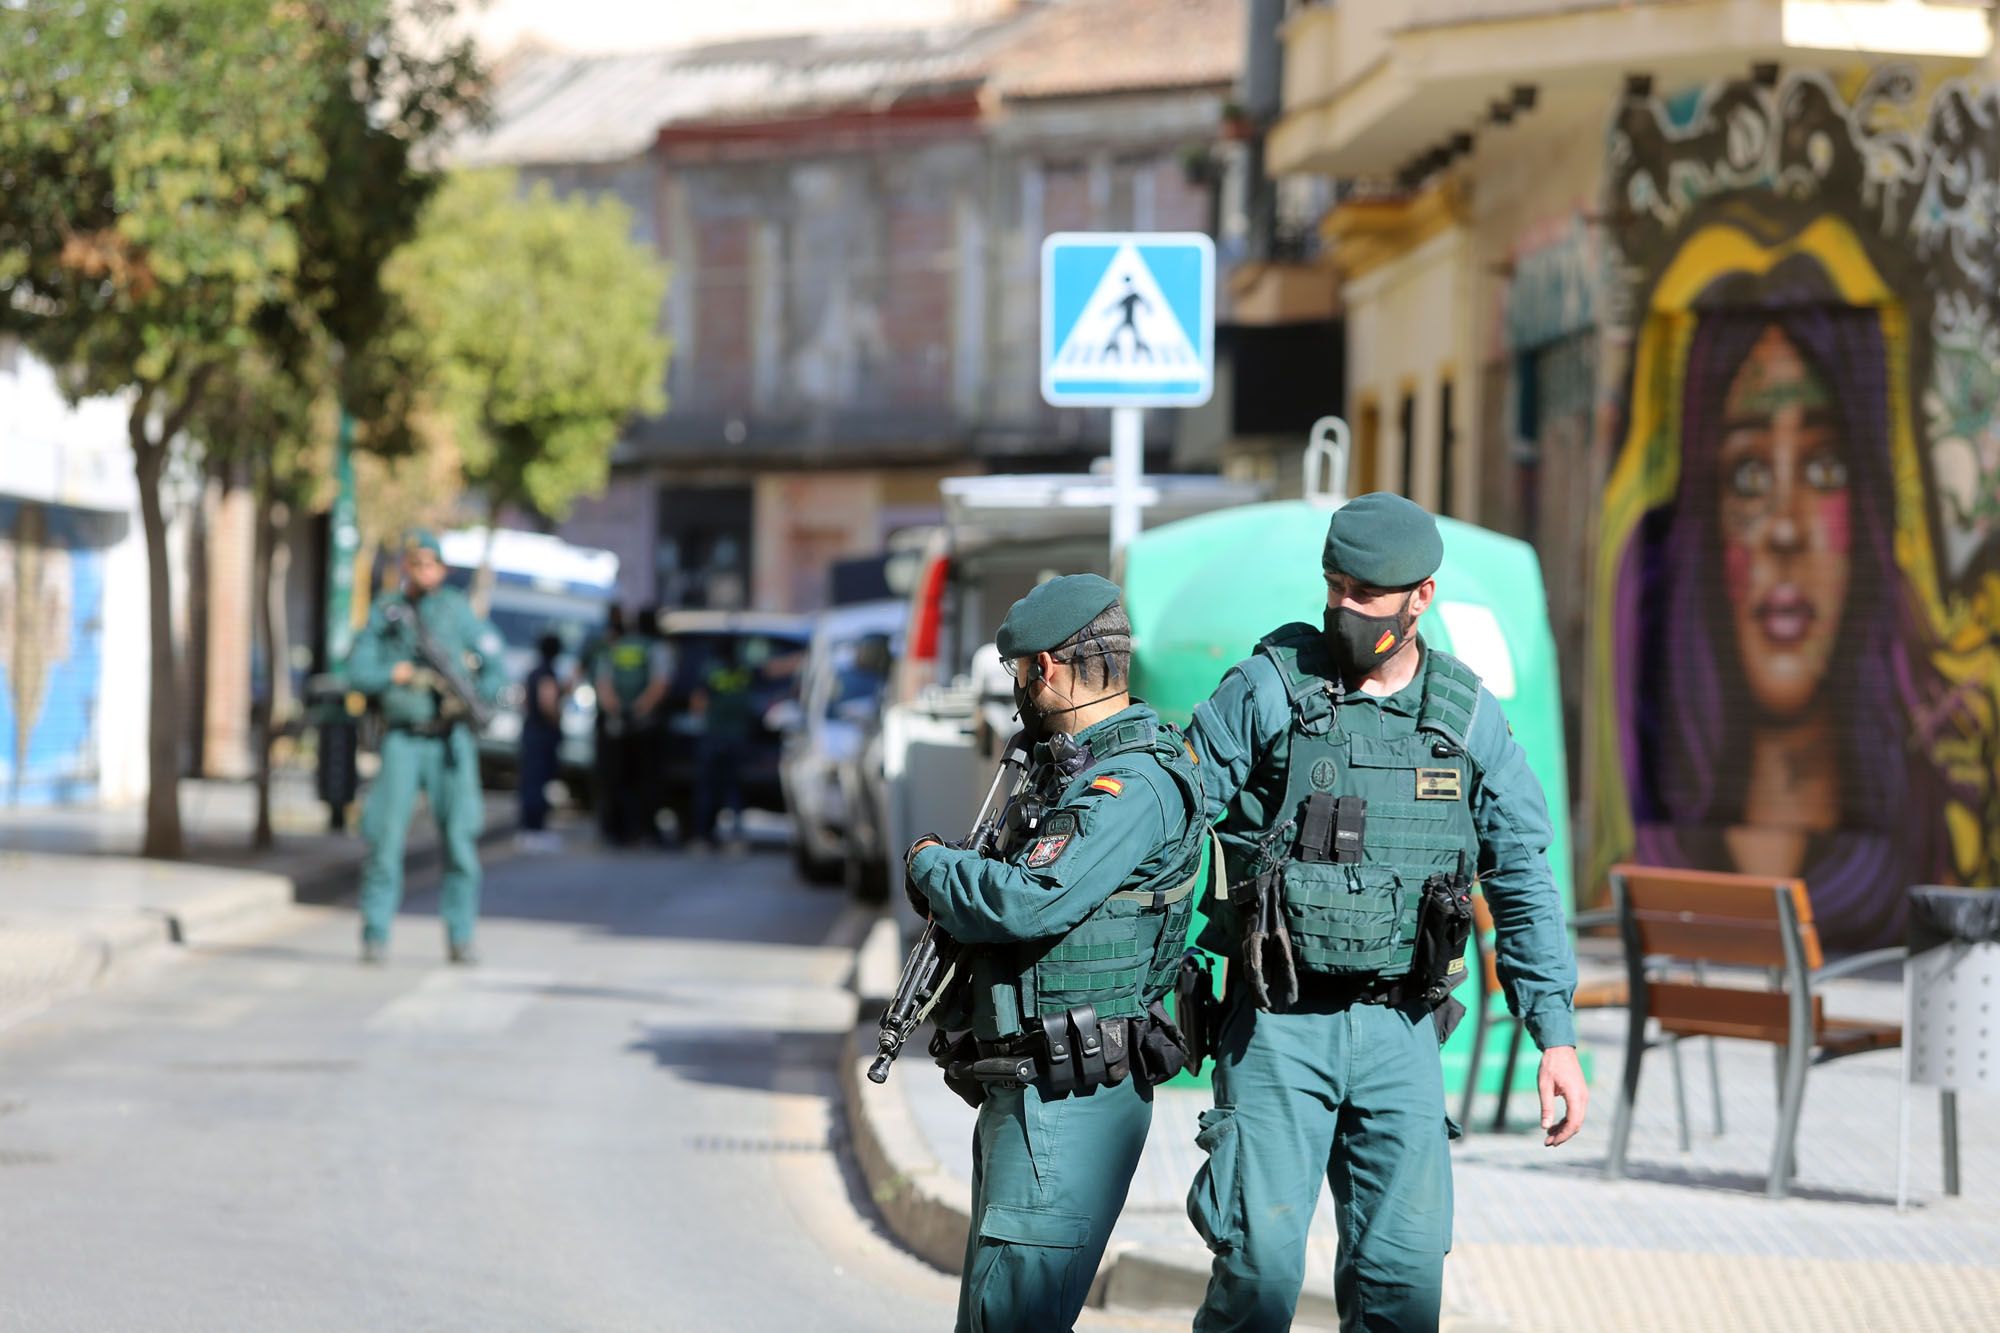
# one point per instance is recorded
(1128, 319)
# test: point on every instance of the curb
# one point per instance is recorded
(923, 1205)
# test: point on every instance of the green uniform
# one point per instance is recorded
(1336, 1087)
(1091, 910)
(422, 753)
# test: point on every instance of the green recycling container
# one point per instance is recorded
(1202, 591)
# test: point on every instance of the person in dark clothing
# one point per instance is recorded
(722, 703)
(631, 688)
(541, 733)
(604, 773)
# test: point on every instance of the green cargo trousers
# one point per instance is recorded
(1048, 1182)
(1354, 1094)
(446, 770)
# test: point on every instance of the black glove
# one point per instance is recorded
(918, 902)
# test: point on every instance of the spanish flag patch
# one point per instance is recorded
(1107, 784)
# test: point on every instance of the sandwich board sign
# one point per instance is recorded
(1128, 319)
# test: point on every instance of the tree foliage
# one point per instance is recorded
(201, 188)
(539, 316)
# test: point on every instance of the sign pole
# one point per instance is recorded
(1128, 467)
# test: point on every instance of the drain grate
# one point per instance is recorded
(25, 1157)
(765, 1146)
(263, 1066)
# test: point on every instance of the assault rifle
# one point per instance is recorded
(462, 697)
(930, 974)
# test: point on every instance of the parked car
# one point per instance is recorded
(826, 728)
(774, 647)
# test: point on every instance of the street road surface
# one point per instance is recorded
(626, 1119)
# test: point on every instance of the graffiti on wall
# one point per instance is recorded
(1797, 645)
(51, 601)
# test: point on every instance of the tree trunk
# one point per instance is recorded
(262, 669)
(194, 653)
(482, 580)
(163, 811)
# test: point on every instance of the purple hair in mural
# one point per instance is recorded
(1767, 666)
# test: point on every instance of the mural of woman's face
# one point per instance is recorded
(1784, 522)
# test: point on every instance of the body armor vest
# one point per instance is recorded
(1127, 953)
(630, 659)
(1352, 910)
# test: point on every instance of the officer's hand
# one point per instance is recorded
(1562, 1077)
(918, 902)
(403, 673)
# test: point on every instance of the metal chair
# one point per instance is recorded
(1673, 919)
(1489, 1006)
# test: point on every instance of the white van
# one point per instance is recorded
(949, 709)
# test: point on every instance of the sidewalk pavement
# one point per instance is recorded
(1541, 1239)
(77, 902)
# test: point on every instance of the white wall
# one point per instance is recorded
(77, 457)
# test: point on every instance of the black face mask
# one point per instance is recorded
(1034, 727)
(1361, 643)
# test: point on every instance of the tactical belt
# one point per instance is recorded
(1318, 990)
(1073, 1051)
(431, 730)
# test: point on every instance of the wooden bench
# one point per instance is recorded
(1673, 921)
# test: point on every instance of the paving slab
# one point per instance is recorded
(1541, 1239)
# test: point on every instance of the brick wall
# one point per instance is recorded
(722, 372)
(917, 303)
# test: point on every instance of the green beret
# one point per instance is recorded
(1384, 541)
(422, 539)
(1047, 617)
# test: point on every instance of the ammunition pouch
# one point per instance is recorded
(1071, 1052)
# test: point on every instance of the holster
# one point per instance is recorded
(958, 1058)
(1196, 1009)
(1163, 1048)
(1444, 927)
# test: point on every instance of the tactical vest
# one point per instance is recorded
(1127, 953)
(630, 659)
(1359, 918)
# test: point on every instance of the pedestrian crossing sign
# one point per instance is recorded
(1128, 319)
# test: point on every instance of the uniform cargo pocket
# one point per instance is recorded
(1214, 1201)
(1033, 1226)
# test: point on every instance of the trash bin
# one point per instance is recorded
(1951, 1010)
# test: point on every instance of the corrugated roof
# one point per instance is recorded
(1085, 48)
(553, 107)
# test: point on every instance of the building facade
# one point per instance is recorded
(73, 641)
(1699, 298)
(854, 223)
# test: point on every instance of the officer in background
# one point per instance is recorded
(722, 708)
(428, 746)
(1073, 936)
(631, 685)
(1352, 768)
(542, 696)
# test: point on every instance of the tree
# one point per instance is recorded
(540, 316)
(162, 173)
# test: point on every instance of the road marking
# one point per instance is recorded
(462, 1003)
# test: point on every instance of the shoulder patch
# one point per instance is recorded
(1057, 834)
(1107, 783)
